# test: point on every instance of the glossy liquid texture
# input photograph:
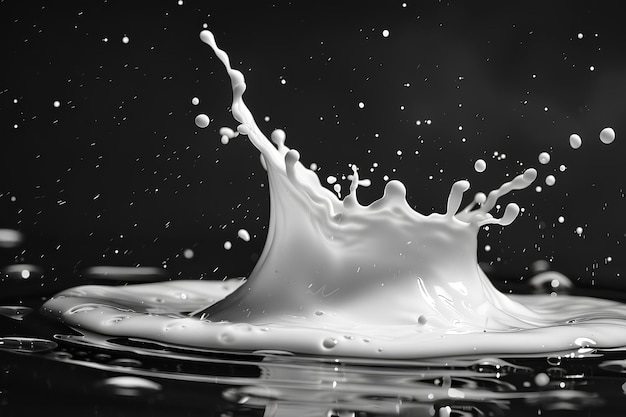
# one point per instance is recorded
(337, 277)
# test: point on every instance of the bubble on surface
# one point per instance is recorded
(330, 342)
(544, 158)
(202, 121)
(607, 135)
(480, 165)
(575, 141)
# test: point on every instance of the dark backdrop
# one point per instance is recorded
(118, 174)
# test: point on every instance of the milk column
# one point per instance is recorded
(327, 259)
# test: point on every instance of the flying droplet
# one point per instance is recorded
(243, 235)
(480, 165)
(202, 121)
(575, 141)
(607, 135)
(544, 158)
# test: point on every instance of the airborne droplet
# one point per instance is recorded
(607, 135)
(575, 141)
(202, 121)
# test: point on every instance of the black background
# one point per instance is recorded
(119, 174)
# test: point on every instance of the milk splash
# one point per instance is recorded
(337, 277)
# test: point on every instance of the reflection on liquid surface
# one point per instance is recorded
(95, 374)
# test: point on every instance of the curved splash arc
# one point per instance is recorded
(341, 258)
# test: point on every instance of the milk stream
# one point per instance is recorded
(340, 278)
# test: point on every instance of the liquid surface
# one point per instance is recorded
(337, 277)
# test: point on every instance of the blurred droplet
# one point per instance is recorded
(125, 273)
(130, 386)
(26, 344)
(10, 238)
(15, 312)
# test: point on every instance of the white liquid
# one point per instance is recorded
(243, 234)
(340, 278)
(544, 158)
(607, 135)
(480, 165)
(202, 121)
(575, 141)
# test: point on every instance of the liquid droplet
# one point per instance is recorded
(480, 165)
(544, 158)
(10, 238)
(202, 121)
(607, 135)
(575, 141)
(243, 235)
(330, 342)
(130, 386)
